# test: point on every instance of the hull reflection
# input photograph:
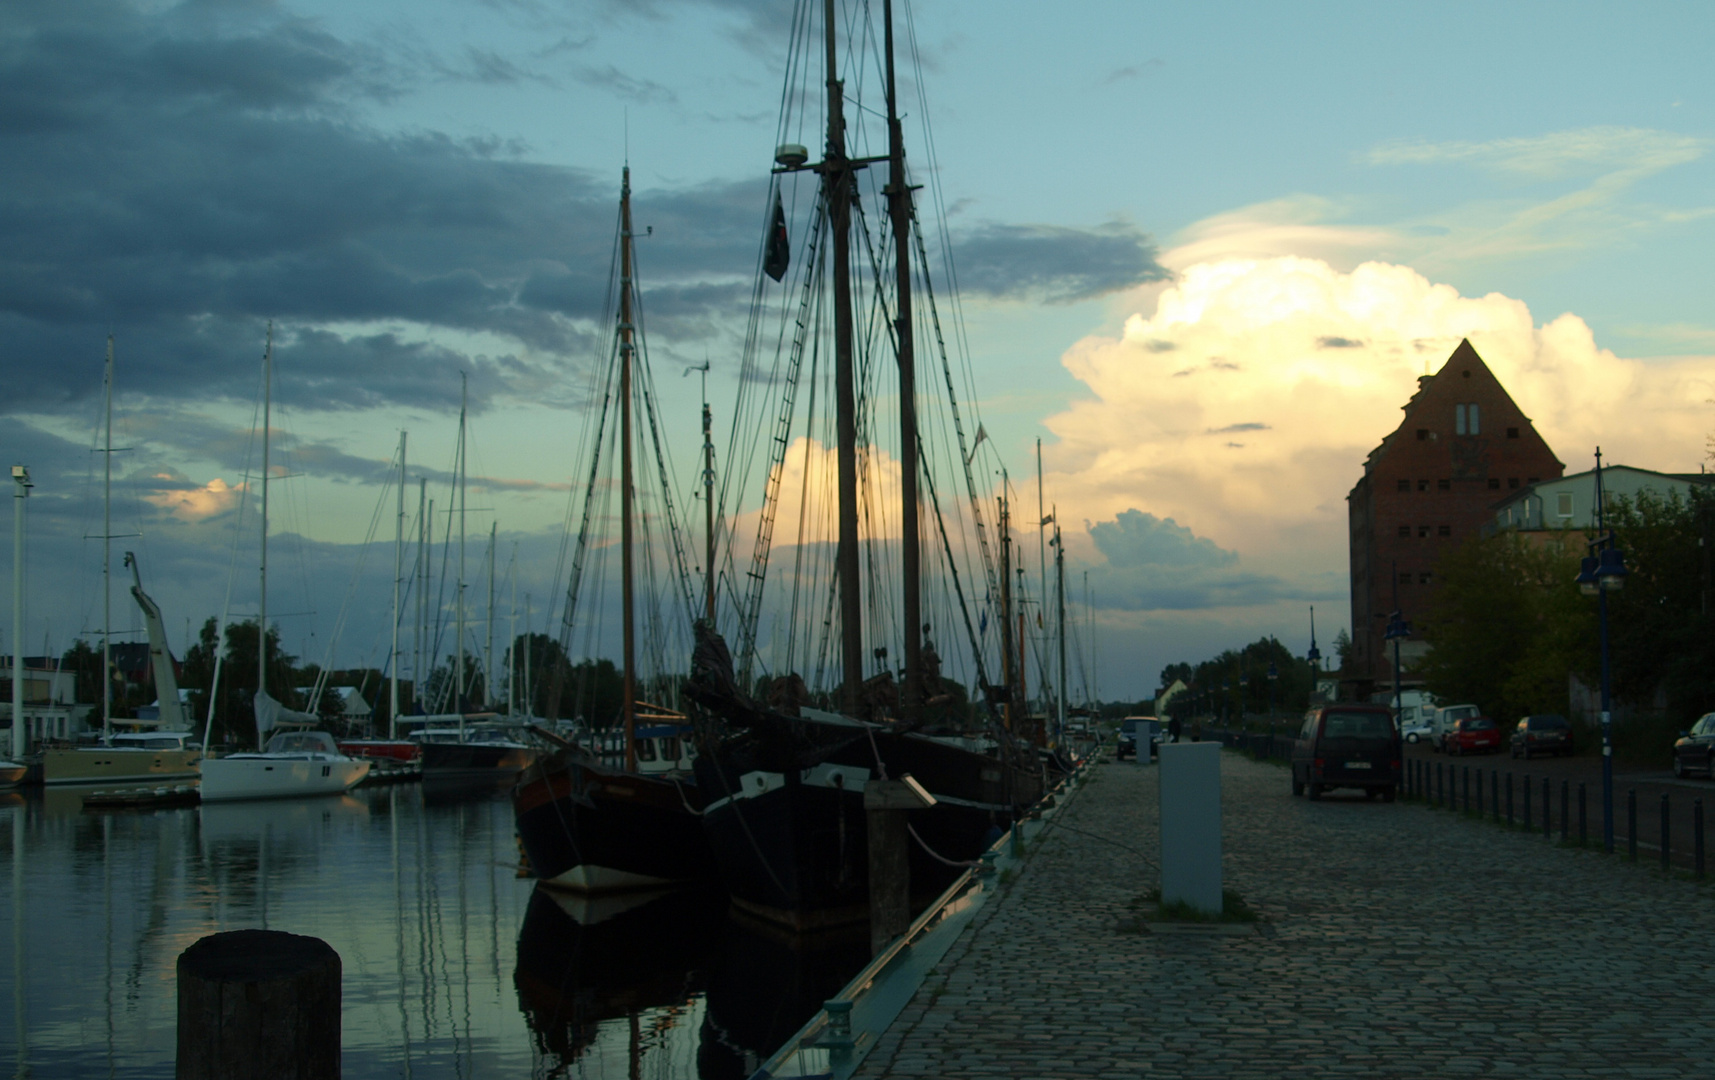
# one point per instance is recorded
(582, 961)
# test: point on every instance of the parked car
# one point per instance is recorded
(1473, 735)
(1347, 746)
(1126, 747)
(1541, 733)
(1696, 748)
(1445, 718)
(1416, 729)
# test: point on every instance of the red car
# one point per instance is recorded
(1472, 735)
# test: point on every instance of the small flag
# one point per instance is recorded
(982, 433)
(779, 254)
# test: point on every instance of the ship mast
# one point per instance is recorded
(262, 576)
(106, 566)
(899, 210)
(628, 702)
(837, 182)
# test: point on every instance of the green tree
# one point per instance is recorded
(85, 661)
(1343, 650)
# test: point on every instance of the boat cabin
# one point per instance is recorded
(302, 742)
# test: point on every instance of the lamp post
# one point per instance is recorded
(1599, 572)
(20, 492)
(1397, 630)
(1314, 656)
(1273, 674)
(1226, 703)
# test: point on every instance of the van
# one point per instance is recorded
(1445, 718)
(1347, 746)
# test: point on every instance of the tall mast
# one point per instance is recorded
(837, 181)
(106, 561)
(512, 634)
(899, 209)
(262, 578)
(20, 493)
(708, 507)
(1006, 610)
(1060, 606)
(488, 650)
(1041, 559)
(398, 577)
(628, 705)
(458, 703)
(420, 632)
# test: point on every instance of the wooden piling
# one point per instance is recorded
(886, 803)
(256, 1004)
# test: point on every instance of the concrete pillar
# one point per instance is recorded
(1191, 825)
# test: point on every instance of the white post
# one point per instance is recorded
(398, 572)
(1190, 775)
(20, 492)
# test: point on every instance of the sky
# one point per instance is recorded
(1204, 252)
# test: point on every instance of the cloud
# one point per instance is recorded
(1556, 154)
(1053, 263)
(1298, 225)
(1149, 444)
(173, 492)
(1158, 564)
(1137, 539)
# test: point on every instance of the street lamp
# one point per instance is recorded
(1598, 573)
(1314, 657)
(20, 491)
(1273, 674)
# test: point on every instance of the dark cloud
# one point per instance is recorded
(1137, 539)
(1159, 564)
(1338, 343)
(1233, 428)
(180, 178)
(1054, 263)
(637, 91)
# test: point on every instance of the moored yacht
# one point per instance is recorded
(293, 763)
(143, 757)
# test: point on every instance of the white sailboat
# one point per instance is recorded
(292, 763)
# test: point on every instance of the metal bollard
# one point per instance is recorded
(1509, 798)
(1565, 805)
(1495, 794)
(1440, 788)
(1467, 771)
(1525, 784)
(1546, 816)
(1666, 857)
(1632, 823)
(1697, 836)
(1479, 793)
(1583, 818)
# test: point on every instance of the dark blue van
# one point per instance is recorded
(1347, 746)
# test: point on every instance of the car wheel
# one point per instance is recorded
(1679, 768)
(1411, 738)
(1297, 785)
(1314, 791)
(1525, 750)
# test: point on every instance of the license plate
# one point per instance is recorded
(1357, 764)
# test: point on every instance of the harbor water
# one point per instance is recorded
(455, 965)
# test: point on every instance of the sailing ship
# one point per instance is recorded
(291, 763)
(588, 822)
(784, 780)
(140, 757)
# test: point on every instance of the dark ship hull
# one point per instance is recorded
(589, 828)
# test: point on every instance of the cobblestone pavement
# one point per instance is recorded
(1395, 941)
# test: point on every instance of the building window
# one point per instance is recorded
(1466, 419)
(1494, 483)
(1405, 577)
(1444, 485)
(1445, 530)
(1405, 532)
(1423, 532)
(1512, 482)
(1423, 578)
(1405, 485)
(1563, 504)
(1459, 420)
(1512, 433)
(1534, 480)
(1423, 485)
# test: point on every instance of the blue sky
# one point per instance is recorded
(1137, 193)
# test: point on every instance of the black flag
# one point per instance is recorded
(779, 250)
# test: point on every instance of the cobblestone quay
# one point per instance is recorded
(1394, 941)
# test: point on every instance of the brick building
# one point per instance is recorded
(1463, 446)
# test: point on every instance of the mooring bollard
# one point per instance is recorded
(1509, 799)
(258, 1005)
(1565, 807)
(1583, 819)
(1547, 818)
(885, 803)
(1697, 836)
(1666, 860)
(1632, 823)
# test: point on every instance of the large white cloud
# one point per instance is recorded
(1243, 406)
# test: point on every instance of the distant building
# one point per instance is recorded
(1569, 502)
(343, 701)
(1463, 446)
(51, 709)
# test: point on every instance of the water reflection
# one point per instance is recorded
(453, 965)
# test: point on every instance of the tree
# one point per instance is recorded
(1343, 650)
(84, 660)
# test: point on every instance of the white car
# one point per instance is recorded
(1417, 730)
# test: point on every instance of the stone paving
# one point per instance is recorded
(1395, 941)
